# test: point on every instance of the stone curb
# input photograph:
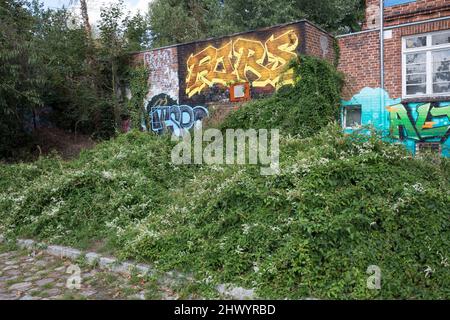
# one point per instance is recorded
(127, 267)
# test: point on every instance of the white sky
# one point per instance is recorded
(94, 6)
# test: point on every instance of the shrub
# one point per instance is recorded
(301, 109)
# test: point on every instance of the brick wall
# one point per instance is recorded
(416, 11)
(311, 41)
(360, 62)
(419, 10)
(360, 57)
(318, 43)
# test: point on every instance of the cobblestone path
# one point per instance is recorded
(35, 275)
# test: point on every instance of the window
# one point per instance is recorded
(428, 147)
(239, 92)
(426, 65)
(352, 116)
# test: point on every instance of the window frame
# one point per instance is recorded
(344, 120)
(428, 50)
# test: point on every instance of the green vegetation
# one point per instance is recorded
(201, 19)
(48, 60)
(302, 109)
(340, 204)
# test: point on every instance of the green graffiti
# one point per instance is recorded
(421, 129)
(398, 118)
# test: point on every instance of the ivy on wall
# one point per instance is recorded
(301, 109)
(137, 83)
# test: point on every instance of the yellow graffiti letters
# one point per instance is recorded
(242, 60)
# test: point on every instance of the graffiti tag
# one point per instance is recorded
(176, 118)
(163, 77)
(242, 60)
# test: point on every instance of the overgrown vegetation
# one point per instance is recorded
(340, 204)
(48, 60)
(302, 109)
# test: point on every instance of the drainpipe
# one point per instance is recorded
(382, 60)
(382, 43)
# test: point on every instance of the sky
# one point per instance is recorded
(94, 6)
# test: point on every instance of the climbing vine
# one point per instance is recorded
(302, 109)
(138, 85)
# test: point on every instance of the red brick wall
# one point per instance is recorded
(360, 62)
(416, 11)
(419, 10)
(360, 57)
(318, 43)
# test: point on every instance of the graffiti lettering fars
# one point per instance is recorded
(432, 122)
(242, 60)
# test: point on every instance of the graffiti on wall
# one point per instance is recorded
(410, 123)
(176, 118)
(163, 77)
(419, 121)
(242, 60)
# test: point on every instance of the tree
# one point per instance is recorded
(243, 15)
(177, 21)
(338, 16)
(137, 33)
(19, 77)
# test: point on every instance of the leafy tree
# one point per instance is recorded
(244, 15)
(339, 16)
(19, 79)
(137, 35)
(177, 21)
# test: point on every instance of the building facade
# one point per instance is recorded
(412, 106)
(188, 81)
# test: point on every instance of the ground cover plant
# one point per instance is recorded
(340, 204)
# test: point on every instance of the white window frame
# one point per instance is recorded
(428, 49)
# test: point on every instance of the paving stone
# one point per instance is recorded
(10, 268)
(7, 297)
(30, 279)
(38, 269)
(21, 286)
(43, 282)
(53, 292)
(13, 272)
(88, 293)
(60, 251)
(41, 263)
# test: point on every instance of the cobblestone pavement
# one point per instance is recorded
(35, 275)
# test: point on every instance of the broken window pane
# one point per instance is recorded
(352, 116)
(416, 42)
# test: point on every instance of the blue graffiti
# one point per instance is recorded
(176, 118)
